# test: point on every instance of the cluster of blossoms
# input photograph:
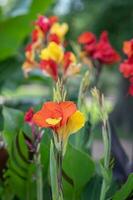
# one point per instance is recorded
(126, 67)
(100, 50)
(46, 50)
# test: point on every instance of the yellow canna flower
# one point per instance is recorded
(53, 51)
(59, 29)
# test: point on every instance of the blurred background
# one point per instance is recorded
(16, 19)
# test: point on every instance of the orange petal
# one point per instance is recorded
(52, 110)
(68, 108)
(39, 119)
(49, 110)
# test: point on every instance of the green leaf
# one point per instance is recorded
(79, 167)
(13, 121)
(14, 30)
(45, 152)
(92, 189)
(126, 190)
(53, 173)
(19, 175)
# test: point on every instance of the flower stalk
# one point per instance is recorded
(39, 180)
(106, 135)
(107, 149)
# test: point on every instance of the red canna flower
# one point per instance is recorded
(104, 52)
(53, 19)
(87, 38)
(130, 90)
(29, 115)
(68, 59)
(126, 68)
(28, 48)
(90, 49)
(43, 23)
(63, 118)
(35, 35)
(50, 67)
(128, 48)
(54, 38)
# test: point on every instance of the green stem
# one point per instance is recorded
(107, 148)
(59, 174)
(39, 181)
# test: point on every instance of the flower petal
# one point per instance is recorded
(49, 110)
(75, 122)
(39, 119)
(68, 108)
(53, 121)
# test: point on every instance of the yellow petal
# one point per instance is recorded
(53, 51)
(75, 122)
(45, 54)
(53, 121)
(56, 52)
(59, 29)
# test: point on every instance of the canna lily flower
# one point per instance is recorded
(54, 38)
(36, 35)
(30, 62)
(128, 48)
(130, 89)
(49, 67)
(69, 58)
(126, 68)
(70, 66)
(104, 52)
(45, 23)
(59, 29)
(63, 118)
(86, 38)
(53, 52)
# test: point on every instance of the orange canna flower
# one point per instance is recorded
(63, 118)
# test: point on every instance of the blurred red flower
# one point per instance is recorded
(128, 48)
(104, 52)
(50, 67)
(86, 38)
(54, 38)
(126, 68)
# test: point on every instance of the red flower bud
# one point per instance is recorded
(29, 115)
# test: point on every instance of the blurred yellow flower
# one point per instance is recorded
(59, 29)
(53, 51)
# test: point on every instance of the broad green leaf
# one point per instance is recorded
(126, 190)
(14, 30)
(13, 121)
(92, 189)
(79, 167)
(20, 172)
